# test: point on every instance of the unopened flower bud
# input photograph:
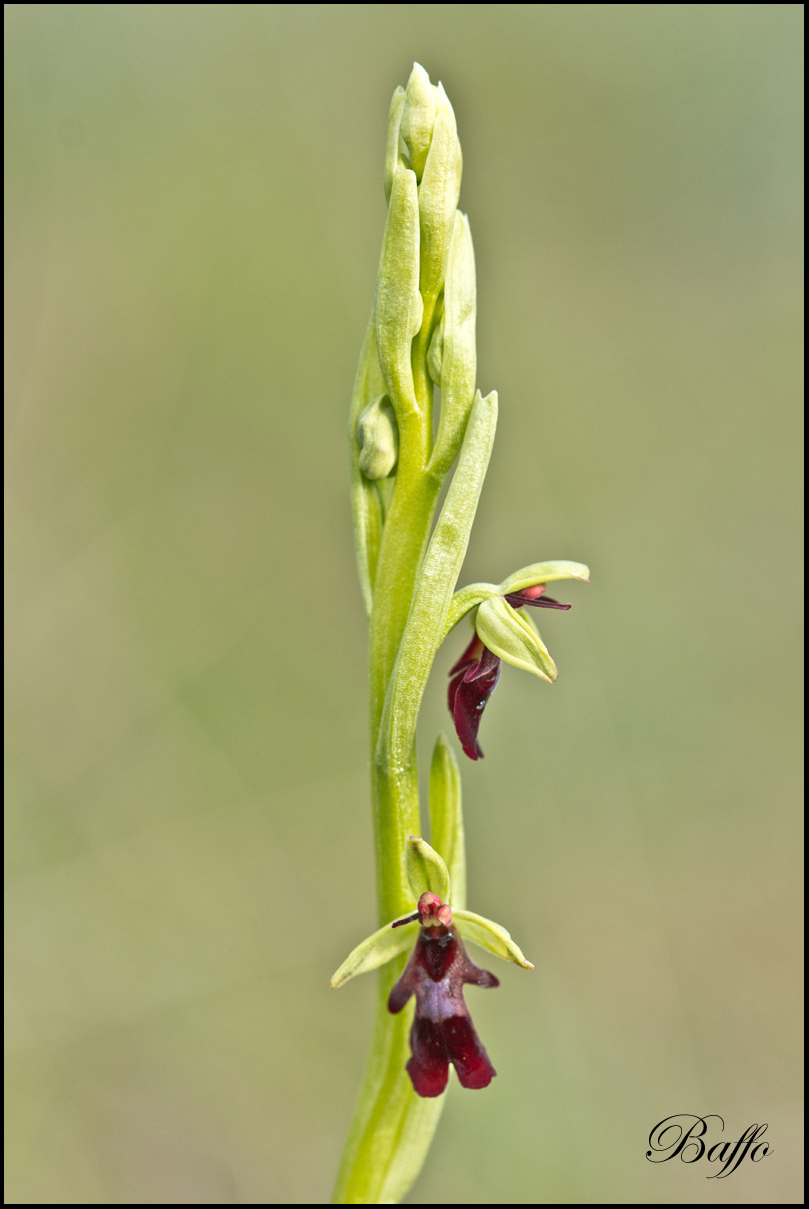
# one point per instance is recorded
(418, 118)
(378, 437)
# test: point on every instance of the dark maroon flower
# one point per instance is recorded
(474, 677)
(442, 1031)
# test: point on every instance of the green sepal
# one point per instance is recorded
(392, 144)
(375, 950)
(446, 816)
(418, 118)
(490, 936)
(426, 870)
(511, 635)
(543, 573)
(398, 308)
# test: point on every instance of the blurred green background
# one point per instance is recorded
(194, 216)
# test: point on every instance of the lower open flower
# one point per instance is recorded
(437, 971)
(442, 1031)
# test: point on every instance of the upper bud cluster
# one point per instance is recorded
(426, 279)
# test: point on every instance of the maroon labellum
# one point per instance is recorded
(442, 1031)
(474, 679)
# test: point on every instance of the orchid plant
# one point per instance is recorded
(421, 340)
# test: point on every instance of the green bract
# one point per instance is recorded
(392, 145)
(438, 198)
(398, 310)
(452, 359)
(446, 816)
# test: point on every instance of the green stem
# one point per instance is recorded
(389, 1116)
(392, 1126)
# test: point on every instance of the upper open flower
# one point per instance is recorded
(501, 632)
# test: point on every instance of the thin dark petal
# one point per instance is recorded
(429, 1066)
(466, 1053)
(408, 919)
(471, 655)
(548, 602)
(526, 595)
(470, 697)
(518, 599)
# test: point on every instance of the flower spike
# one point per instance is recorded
(421, 436)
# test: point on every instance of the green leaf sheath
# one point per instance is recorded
(433, 591)
(446, 817)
